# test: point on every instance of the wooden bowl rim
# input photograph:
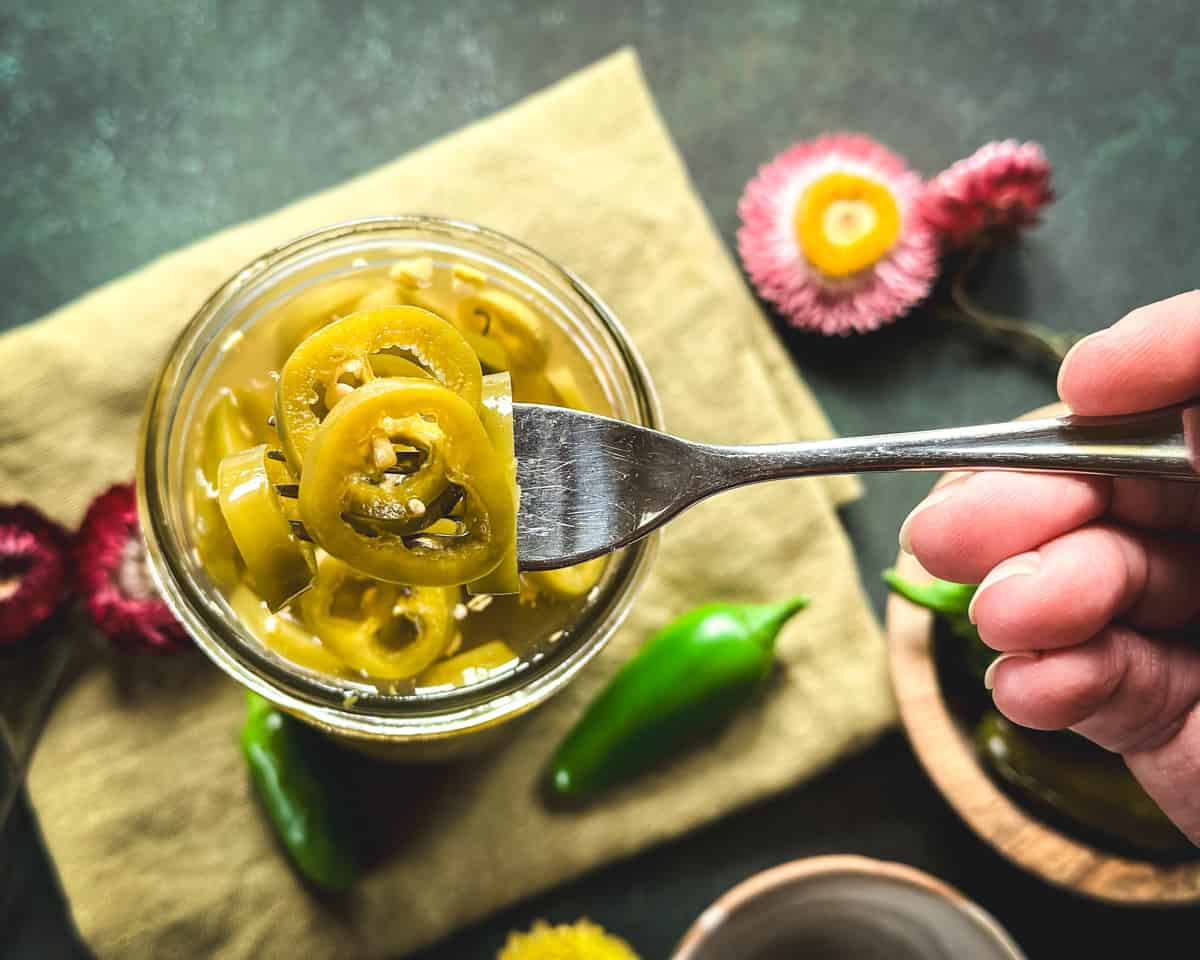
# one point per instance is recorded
(949, 759)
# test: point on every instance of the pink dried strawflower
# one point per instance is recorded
(121, 598)
(830, 236)
(1002, 184)
(34, 572)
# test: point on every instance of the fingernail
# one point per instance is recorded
(932, 500)
(1062, 367)
(1019, 566)
(989, 676)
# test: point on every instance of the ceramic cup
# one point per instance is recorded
(842, 907)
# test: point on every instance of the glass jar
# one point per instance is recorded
(400, 725)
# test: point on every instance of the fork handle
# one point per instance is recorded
(1161, 443)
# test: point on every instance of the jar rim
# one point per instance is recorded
(382, 717)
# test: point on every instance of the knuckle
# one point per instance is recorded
(1142, 708)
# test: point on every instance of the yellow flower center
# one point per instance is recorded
(846, 223)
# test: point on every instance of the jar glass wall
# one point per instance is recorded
(256, 301)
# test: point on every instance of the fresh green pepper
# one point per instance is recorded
(687, 679)
(951, 601)
(1079, 781)
(297, 799)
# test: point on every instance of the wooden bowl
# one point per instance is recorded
(945, 750)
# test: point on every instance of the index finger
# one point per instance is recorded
(1150, 358)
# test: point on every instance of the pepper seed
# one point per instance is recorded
(480, 603)
(382, 452)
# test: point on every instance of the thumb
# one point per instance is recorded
(1150, 358)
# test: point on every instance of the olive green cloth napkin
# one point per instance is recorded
(138, 781)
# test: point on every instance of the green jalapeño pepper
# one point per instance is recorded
(283, 633)
(340, 463)
(391, 365)
(496, 415)
(474, 665)
(403, 503)
(296, 798)
(382, 630)
(226, 431)
(568, 583)
(279, 565)
(507, 319)
(492, 357)
(329, 364)
(687, 679)
(1077, 780)
(951, 601)
(316, 306)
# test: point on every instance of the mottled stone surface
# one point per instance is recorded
(130, 127)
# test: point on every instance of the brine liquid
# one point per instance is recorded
(247, 363)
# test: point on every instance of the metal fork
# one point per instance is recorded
(591, 484)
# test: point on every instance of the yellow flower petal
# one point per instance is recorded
(581, 941)
(845, 223)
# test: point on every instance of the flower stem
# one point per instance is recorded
(1052, 344)
(33, 676)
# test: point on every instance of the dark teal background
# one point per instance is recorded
(130, 127)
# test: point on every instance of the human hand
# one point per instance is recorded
(1086, 583)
